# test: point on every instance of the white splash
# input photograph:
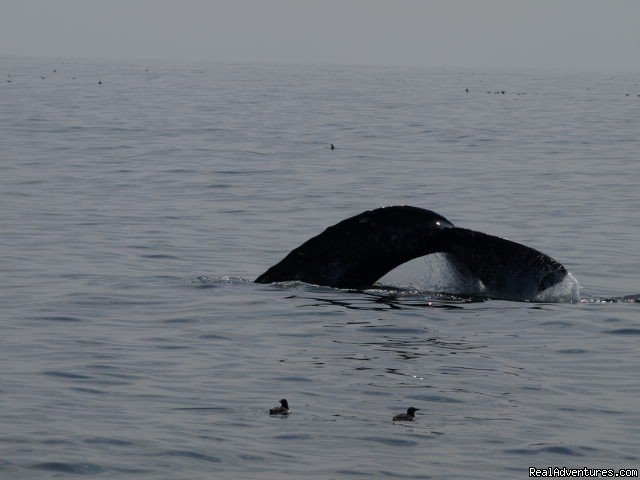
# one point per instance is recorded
(567, 291)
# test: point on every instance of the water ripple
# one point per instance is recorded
(190, 454)
(555, 449)
(392, 442)
(73, 376)
(69, 468)
(623, 331)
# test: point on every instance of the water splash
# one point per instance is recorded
(634, 298)
(215, 281)
(567, 291)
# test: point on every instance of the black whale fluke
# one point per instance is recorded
(506, 269)
(359, 250)
(356, 252)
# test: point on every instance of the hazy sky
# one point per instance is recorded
(598, 34)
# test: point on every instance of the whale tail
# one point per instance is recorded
(505, 269)
(358, 251)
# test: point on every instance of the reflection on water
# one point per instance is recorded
(381, 302)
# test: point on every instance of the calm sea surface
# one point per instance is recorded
(136, 212)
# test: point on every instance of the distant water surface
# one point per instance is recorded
(135, 213)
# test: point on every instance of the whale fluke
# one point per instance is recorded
(505, 269)
(358, 251)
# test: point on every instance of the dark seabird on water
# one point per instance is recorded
(283, 409)
(332, 147)
(410, 416)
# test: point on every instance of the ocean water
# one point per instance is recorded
(138, 201)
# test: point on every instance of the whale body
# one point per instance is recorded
(358, 251)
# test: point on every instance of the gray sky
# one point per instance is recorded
(586, 34)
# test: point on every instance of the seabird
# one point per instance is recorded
(410, 416)
(283, 409)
